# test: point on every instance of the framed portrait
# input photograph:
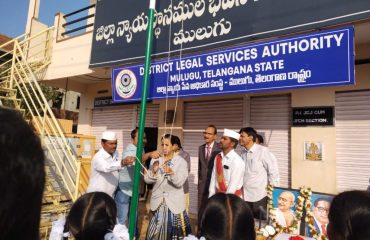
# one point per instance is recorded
(313, 151)
(285, 209)
(317, 211)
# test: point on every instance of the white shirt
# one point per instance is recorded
(104, 172)
(260, 168)
(210, 146)
(233, 174)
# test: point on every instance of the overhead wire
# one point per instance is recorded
(168, 76)
(168, 73)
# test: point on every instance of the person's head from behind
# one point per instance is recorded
(259, 139)
(92, 216)
(22, 177)
(349, 216)
(321, 210)
(135, 136)
(227, 217)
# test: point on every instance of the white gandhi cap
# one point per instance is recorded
(109, 135)
(231, 133)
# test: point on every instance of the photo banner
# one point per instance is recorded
(191, 26)
(324, 58)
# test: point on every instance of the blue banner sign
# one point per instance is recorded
(325, 58)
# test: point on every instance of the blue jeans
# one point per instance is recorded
(123, 206)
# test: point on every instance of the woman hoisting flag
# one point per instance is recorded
(168, 173)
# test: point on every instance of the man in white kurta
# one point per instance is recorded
(232, 167)
(105, 166)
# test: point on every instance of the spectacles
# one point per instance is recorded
(207, 133)
(284, 200)
(322, 209)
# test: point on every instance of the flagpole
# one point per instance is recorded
(139, 150)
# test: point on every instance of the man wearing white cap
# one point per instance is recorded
(228, 170)
(105, 166)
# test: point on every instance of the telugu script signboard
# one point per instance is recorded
(192, 26)
(320, 59)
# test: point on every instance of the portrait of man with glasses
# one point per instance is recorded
(320, 211)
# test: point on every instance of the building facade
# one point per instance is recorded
(344, 146)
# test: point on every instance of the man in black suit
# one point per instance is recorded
(206, 155)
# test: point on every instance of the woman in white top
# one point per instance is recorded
(168, 173)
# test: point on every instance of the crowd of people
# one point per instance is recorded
(231, 189)
(221, 170)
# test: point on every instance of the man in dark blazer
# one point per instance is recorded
(206, 155)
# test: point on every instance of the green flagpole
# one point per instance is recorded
(139, 151)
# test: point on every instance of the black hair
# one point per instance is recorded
(349, 216)
(22, 177)
(260, 138)
(235, 141)
(250, 132)
(227, 217)
(92, 216)
(133, 132)
(171, 137)
(321, 199)
(177, 141)
(212, 126)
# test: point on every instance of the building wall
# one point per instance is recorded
(313, 173)
(38, 44)
(320, 176)
(70, 57)
(70, 101)
(87, 104)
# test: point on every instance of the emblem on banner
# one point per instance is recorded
(126, 83)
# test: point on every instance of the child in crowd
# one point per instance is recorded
(92, 217)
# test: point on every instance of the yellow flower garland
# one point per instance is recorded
(298, 212)
(310, 219)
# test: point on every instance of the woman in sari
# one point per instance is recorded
(168, 173)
